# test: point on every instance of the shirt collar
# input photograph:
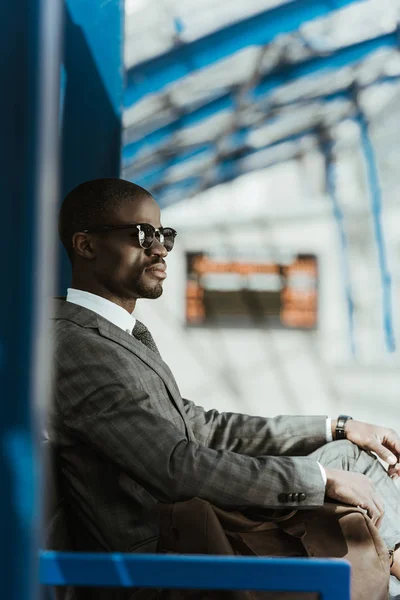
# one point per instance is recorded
(105, 308)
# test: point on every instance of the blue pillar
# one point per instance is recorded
(327, 147)
(92, 96)
(29, 103)
(376, 209)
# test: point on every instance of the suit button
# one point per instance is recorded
(283, 498)
(302, 496)
(295, 497)
(290, 497)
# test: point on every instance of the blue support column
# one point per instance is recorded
(376, 208)
(330, 174)
(92, 104)
(29, 103)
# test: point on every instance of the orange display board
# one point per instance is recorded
(249, 292)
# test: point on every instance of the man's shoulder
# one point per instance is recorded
(71, 321)
(76, 334)
(63, 311)
(70, 337)
(80, 334)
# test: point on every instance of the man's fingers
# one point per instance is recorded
(392, 440)
(375, 510)
(394, 471)
(383, 453)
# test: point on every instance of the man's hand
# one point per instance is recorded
(354, 489)
(383, 441)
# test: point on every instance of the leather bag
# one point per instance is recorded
(331, 531)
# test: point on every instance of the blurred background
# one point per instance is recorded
(271, 141)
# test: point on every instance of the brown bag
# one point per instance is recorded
(334, 531)
(337, 531)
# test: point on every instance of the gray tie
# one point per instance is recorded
(142, 334)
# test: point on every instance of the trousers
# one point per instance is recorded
(347, 456)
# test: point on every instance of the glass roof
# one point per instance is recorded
(259, 105)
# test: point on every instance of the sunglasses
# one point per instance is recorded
(146, 234)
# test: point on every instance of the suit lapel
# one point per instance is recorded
(155, 362)
(89, 319)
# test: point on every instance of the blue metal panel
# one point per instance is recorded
(92, 107)
(376, 208)
(329, 577)
(29, 108)
(157, 73)
(270, 83)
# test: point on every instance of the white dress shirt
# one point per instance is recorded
(126, 321)
(105, 308)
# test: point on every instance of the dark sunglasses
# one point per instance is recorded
(146, 234)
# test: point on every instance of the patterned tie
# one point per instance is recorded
(142, 334)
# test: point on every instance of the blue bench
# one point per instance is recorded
(329, 577)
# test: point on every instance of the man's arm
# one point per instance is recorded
(278, 436)
(107, 410)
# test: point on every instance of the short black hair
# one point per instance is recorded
(92, 204)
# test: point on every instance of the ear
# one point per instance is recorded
(83, 245)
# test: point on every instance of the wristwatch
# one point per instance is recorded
(340, 426)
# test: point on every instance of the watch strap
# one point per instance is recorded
(341, 425)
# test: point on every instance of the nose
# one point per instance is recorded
(157, 249)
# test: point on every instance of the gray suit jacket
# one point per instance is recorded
(128, 440)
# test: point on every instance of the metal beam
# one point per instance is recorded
(327, 148)
(150, 177)
(375, 192)
(225, 171)
(330, 578)
(157, 73)
(348, 55)
(29, 106)
(153, 175)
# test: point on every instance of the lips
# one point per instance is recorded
(158, 270)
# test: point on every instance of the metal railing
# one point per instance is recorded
(328, 577)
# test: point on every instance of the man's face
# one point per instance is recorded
(121, 265)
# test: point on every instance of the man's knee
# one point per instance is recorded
(347, 449)
(340, 454)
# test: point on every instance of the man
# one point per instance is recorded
(128, 440)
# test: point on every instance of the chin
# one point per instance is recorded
(151, 293)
